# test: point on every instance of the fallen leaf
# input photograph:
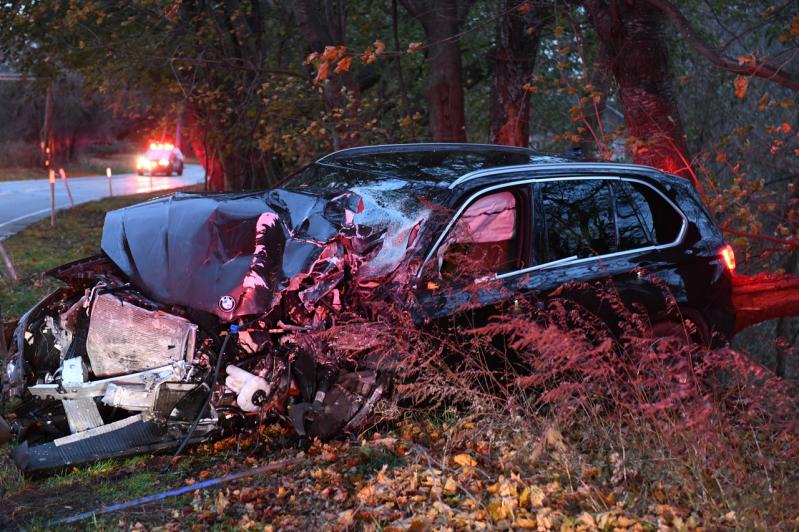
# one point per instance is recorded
(464, 460)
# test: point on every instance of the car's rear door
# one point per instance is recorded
(591, 229)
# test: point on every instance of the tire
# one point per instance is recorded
(692, 331)
(680, 339)
(180, 169)
(140, 172)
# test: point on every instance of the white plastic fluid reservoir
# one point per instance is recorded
(247, 386)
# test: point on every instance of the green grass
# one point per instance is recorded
(39, 248)
(120, 163)
(11, 479)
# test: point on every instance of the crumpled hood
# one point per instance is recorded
(214, 252)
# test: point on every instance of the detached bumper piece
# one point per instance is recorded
(132, 435)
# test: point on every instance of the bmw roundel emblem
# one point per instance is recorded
(227, 303)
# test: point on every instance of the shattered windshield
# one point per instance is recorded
(320, 176)
(433, 167)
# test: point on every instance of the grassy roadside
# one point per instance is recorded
(39, 248)
(120, 163)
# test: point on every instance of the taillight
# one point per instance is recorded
(728, 256)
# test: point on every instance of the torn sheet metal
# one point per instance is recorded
(233, 254)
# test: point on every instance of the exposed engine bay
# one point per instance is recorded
(117, 363)
(115, 374)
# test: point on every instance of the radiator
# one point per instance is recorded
(124, 338)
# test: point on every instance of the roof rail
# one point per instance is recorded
(378, 148)
(545, 166)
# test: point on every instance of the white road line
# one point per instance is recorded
(18, 218)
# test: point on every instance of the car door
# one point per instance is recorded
(469, 271)
(590, 229)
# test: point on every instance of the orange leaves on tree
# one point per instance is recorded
(332, 55)
(371, 53)
(343, 64)
(340, 60)
(741, 83)
(748, 60)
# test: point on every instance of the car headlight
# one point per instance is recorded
(141, 162)
(163, 162)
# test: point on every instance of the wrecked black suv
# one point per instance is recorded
(200, 312)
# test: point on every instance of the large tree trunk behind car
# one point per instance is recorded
(632, 34)
(441, 20)
(518, 36)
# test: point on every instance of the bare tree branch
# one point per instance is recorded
(757, 68)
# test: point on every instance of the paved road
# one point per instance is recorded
(24, 202)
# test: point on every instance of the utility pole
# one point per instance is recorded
(46, 134)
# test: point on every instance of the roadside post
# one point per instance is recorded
(52, 198)
(3, 346)
(9, 265)
(66, 184)
(108, 173)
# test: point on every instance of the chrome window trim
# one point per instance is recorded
(582, 167)
(559, 262)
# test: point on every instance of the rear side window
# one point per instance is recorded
(633, 218)
(578, 219)
(657, 216)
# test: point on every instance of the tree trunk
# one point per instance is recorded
(632, 34)
(518, 36)
(441, 20)
(198, 137)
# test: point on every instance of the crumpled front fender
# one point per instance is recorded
(14, 371)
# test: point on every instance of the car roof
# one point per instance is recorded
(443, 163)
(451, 165)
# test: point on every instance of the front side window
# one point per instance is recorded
(578, 219)
(484, 240)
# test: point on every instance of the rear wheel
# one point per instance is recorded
(679, 340)
(180, 169)
(692, 330)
